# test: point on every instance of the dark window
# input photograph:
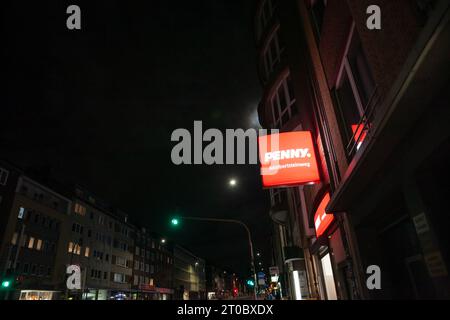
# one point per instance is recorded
(318, 12)
(422, 9)
(349, 108)
(361, 70)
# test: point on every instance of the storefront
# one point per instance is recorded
(321, 250)
(39, 295)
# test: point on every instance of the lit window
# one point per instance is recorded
(21, 212)
(86, 252)
(30, 243)
(81, 210)
(70, 248)
(39, 244)
(14, 239)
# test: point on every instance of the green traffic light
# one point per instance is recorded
(175, 221)
(250, 283)
(6, 284)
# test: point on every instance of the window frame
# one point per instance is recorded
(289, 101)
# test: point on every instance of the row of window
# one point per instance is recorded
(101, 237)
(38, 218)
(45, 197)
(98, 274)
(76, 248)
(142, 280)
(33, 269)
(33, 243)
(101, 219)
(121, 245)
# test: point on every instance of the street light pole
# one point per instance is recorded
(250, 243)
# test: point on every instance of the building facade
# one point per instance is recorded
(153, 266)
(189, 275)
(375, 103)
(44, 231)
(30, 239)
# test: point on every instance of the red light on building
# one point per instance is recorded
(359, 134)
(322, 220)
(291, 161)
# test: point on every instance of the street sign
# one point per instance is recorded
(273, 271)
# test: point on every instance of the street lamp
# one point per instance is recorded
(250, 243)
(232, 182)
(163, 241)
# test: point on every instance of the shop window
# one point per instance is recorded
(328, 278)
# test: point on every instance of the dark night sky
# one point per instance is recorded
(98, 106)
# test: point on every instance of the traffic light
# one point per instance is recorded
(6, 283)
(174, 221)
(250, 283)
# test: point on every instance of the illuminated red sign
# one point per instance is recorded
(288, 159)
(322, 220)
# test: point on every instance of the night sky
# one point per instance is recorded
(98, 106)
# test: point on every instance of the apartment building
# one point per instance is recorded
(375, 104)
